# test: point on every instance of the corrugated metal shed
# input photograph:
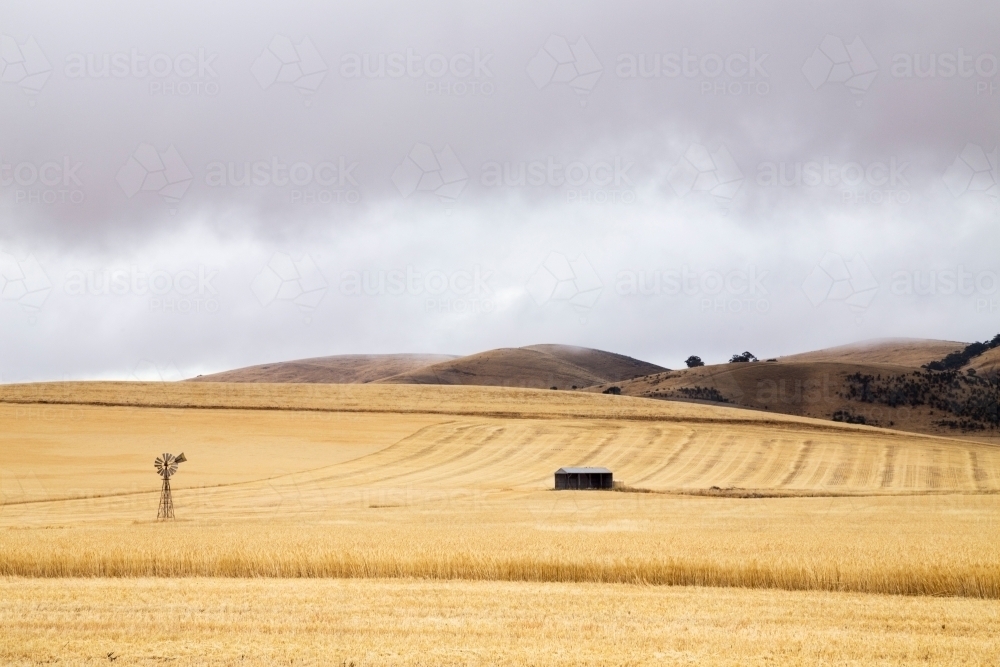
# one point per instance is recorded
(583, 477)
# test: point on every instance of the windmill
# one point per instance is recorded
(166, 466)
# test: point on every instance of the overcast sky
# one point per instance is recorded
(190, 187)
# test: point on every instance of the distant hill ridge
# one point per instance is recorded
(341, 369)
(535, 366)
(887, 382)
(890, 383)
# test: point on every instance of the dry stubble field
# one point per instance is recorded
(416, 525)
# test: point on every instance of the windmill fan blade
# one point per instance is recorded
(166, 464)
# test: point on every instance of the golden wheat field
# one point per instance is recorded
(743, 537)
(264, 622)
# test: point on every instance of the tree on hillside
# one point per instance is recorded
(956, 360)
(693, 361)
(740, 358)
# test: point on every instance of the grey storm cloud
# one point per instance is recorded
(202, 185)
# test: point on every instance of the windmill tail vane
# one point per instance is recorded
(166, 466)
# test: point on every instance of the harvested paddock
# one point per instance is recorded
(445, 489)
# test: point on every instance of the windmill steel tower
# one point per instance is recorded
(166, 466)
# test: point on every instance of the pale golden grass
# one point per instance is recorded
(264, 622)
(443, 488)
(65, 451)
(415, 526)
(922, 545)
(394, 399)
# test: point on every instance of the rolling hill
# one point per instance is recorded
(536, 366)
(879, 383)
(342, 369)
(603, 364)
(987, 362)
(912, 352)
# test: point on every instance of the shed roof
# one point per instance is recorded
(576, 471)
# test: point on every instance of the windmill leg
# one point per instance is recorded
(166, 508)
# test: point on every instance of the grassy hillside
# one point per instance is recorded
(455, 482)
(366, 522)
(342, 369)
(910, 352)
(606, 365)
(881, 383)
(454, 437)
(536, 366)
(505, 367)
